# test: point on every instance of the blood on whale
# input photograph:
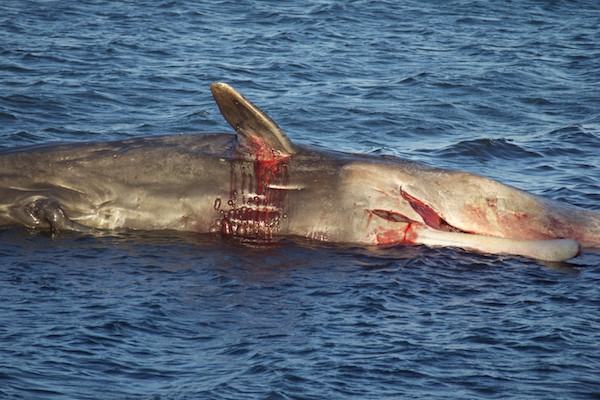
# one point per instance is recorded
(254, 208)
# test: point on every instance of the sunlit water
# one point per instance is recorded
(504, 89)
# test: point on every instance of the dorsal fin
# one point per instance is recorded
(248, 120)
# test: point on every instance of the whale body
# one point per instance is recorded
(257, 186)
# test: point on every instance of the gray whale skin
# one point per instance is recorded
(257, 185)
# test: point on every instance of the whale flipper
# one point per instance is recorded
(249, 121)
(49, 213)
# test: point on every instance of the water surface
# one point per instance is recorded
(504, 89)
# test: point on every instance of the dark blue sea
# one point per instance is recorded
(507, 89)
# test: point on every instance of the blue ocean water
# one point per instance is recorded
(507, 89)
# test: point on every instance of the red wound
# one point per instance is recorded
(256, 203)
(430, 217)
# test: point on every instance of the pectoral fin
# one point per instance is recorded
(48, 213)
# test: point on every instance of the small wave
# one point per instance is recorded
(504, 149)
(24, 137)
(414, 78)
(536, 101)
(573, 132)
(568, 141)
(16, 69)
(7, 116)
